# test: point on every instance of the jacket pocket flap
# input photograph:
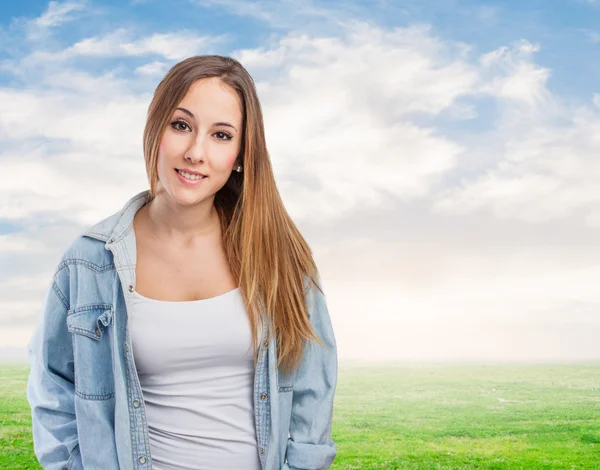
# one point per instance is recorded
(285, 382)
(90, 320)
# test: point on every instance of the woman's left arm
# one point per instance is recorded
(310, 445)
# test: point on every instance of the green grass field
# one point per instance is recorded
(422, 417)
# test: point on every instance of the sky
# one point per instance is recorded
(441, 158)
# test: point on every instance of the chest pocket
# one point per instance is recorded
(91, 331)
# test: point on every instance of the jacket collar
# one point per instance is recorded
(114, 227)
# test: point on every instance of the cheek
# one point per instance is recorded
(223, 160)
(162, 164)
(164, 145)
(165, 150)
(170, 143)
(161, 155)
(228, 161)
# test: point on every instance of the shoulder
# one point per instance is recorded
(88, 247)
(90, 244)
(83, 273)
(86, 252)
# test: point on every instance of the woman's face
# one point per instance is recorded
(203, 136)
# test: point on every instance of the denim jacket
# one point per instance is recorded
(84, 391)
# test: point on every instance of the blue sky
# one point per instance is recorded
(569, 30)
(440, 157)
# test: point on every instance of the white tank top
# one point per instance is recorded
(194, 361)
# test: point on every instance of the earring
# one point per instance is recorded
(238, 168)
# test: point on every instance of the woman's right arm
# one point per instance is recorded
(50, 388)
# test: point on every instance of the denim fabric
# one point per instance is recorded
(84, 391)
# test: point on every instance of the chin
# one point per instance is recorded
(187, 199)
(188, 196)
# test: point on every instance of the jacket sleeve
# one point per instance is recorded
(310, 445)
(50, 387)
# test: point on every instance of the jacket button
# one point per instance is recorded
(98, 331)
(136, 403)
(131, 288)
(262, 451)
(266, 344)
(111, 240)
(126, 347)
(263, 396)
(142, 460)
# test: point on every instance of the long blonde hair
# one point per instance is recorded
(267, 255)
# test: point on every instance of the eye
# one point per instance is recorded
(229, 136)
(175, 123)
(180, 122)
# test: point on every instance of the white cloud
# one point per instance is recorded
(58, 13)
(119, 43)
(512, 76)
(85, 117)
(545, 149)
(547, 170)
(288, 14)
(155, 68)
(352, 138)
(17, 243)
(85, 140)
(40, 29)
(261, 10)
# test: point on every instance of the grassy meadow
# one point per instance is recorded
(426, 416)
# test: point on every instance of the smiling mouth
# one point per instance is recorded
(189, 176)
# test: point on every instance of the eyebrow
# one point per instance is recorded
(190, 114)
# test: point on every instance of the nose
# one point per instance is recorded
(195, 153)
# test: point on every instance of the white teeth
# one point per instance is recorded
(189, 176)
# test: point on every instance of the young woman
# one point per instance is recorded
(189, 330)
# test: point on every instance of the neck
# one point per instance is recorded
(179, 223)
